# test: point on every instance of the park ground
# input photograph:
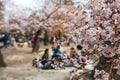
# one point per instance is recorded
(19, 67)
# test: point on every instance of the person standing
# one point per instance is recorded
(53, 40)
(6, 40)
(32, 40)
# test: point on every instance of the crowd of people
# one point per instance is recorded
(6, 40)
(9, 39)
(61, 59)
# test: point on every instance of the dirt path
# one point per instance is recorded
(19, 66)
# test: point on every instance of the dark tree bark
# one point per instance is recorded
(102, 64)
(46, 38)
(36, 42)
(2, 63)
(59, 35)
(1, 14)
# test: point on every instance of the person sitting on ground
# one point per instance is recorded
(79, 48)
(34, 62)
(40, 65)
(82, 61)
(45, 57)
(72, 51)
(45, 60)
(57, 52)
(74, 60)
(65, 58)
(53, 50)
(57, 63)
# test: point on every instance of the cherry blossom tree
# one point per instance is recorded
(96, 22)
(105, 17)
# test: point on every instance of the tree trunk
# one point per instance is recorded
(59, 35)
(36, 42)
(1, 9)
(2, 63)
(102, 65)
(46, 38)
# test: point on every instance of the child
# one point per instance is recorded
(74, 61)
(34, 62)
(65, 58)
(57, 63)
(82, 61)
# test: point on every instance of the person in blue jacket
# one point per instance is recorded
(57, 52)
(6, 40)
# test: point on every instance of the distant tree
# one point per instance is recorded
(36, 45)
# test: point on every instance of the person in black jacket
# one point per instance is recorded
(6, 40)
(45, 60)
(45, 56)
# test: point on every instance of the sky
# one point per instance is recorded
(32, 4)
(21, 7)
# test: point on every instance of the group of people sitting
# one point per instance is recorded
(61, 59)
